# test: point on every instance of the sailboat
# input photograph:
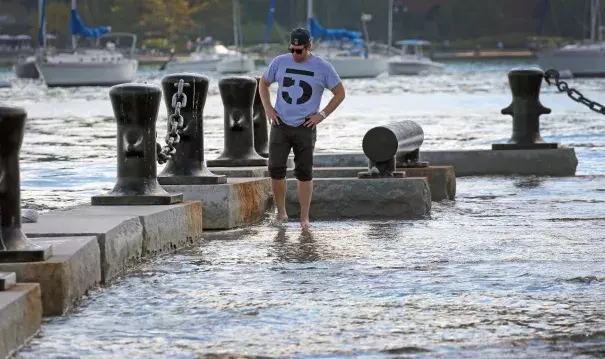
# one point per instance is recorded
(346, 52)
(238, 62)
(350, 57)
(581, 60)
(87, 67)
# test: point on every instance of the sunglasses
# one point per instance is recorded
(298, 51)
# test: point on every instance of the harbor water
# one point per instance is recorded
(513, 268)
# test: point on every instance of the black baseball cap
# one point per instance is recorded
(300, 36)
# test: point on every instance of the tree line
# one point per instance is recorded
(167, 24)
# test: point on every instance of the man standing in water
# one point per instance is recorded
(302, 78)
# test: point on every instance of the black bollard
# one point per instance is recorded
(526, 110)
(186, 166)
(135, 107)
(237, 93)
(390, 146)
(15, 246)
(261, 129)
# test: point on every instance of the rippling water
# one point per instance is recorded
(515, 267)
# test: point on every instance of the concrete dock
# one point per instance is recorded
(348, 198)
(20, 316)
(441, 179)
(558, 162)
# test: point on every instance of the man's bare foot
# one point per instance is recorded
(304, 224)
(282, 217)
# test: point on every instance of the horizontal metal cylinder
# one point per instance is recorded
(382, 143)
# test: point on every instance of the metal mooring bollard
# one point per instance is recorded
(187, 165)
(526, 110)
(237, 93)
(14, 244)
(261, 129)
(135, 107)
(390, 146)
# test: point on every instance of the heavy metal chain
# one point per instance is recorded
(175, 124)
(571, 92)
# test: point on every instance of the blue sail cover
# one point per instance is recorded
(342, 35)
(77, 27)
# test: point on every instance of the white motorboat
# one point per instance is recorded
(205, 58)
(414, 63)
(580, 60)
(105, 66)
(237, 62)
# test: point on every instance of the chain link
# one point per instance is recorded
(175, 124)
(573, 94)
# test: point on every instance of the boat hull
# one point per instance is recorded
(413, 67)
(26, 70)
(580, 63)
(70, 74)
(357, 67)
(191, 66)
(235, 65)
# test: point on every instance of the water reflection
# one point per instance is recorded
(302, 249)
(528, 182)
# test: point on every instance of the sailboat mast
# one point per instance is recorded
(42, 23)
(73, 37)
(390, 29)
(598, 20)
(235, 27)
(309, 13)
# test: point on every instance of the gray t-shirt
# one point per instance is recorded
(301, 85)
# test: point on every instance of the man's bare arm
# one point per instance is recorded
(265, 97)
(339, 95)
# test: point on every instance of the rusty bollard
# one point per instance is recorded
(237, 93)
(135, 107)
(187, 165)
(393, 145)
(14, 244)
(526, 110)
(261, 128)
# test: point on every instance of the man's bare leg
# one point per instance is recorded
(279, 194)
(305, 192)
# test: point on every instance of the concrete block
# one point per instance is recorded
(120, 237)
(165, 228)
(239, 202)
(540, 162)
(20, 316)
(441, 179)
(550, 162)
(349, 159)
(7, 280)
(64, 278)
(125, 233)
(336, 198)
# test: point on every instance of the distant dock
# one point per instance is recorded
(484, 55)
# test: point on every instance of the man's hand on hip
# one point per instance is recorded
(271, 115)
(313, 120)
